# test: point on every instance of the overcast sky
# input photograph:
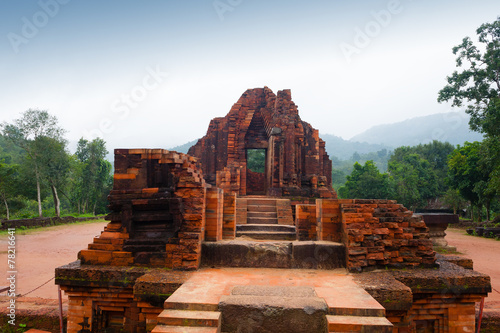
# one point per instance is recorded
(153, 73)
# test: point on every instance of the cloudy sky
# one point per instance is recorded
(153, 73)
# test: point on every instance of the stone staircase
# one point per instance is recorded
(234, 300)
(262, 221)
(185, 317)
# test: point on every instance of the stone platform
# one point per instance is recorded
(296, 300)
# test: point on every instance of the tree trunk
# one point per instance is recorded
(487, 205)
(6, 208)
(472, 212)
(38, 195)
(57, 202)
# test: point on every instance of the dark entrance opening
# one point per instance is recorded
(256, 171)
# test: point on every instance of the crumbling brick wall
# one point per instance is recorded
(376, 233)
(158, 212)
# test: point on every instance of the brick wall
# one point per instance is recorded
(376, 233)
(213, 214)
(158, 212)
(305, 222)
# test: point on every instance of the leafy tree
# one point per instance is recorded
(436, 153)
(366, 182)
(414, 179)
(453, 199)
(468, 176)
(7, 184)
(24, 132)
(54, 165)
(477, 85)
(256, 160)
(91, 174)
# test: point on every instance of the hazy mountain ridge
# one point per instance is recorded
(452, 127)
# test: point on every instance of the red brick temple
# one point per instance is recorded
(296, 162)
(200, 242)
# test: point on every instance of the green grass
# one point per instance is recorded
(27, 230)
(443, 250)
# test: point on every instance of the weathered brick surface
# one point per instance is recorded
(376, 233)
(296, 164)
(213, 214)
(306, 224)
(159, 209)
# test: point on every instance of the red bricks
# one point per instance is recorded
(377, 233)
(296, 160)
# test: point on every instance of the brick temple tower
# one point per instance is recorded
(296, 163)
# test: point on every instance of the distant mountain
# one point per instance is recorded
(452, 127)
(344, 149)
(184, 148)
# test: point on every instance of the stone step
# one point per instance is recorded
(268, 235)
(184, 329)
(262, 220)
(261, 208)
(350, 301)
(273, 309)
(189, 318)
(273, 214)
(261, 201)
(275, 254)
(265, 227)
(359, 324)
(173, 304)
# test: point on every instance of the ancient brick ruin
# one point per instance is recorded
(296, 160)
(187, 249)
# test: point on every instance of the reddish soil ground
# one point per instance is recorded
(484, 253)
(39, 252)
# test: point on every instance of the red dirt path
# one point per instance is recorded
(484, 253)
(39, 252)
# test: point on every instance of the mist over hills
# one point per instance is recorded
(452, 127)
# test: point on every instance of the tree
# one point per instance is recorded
(467, 174)
(93, 178)
(478, 84)
(453, 199)
(7, 184)
(436, 154)
(366, 182)
(414, 178)
(54, 165)
(25, 131)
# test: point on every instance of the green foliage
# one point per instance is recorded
(34, 164)
(91, 177)
(341, 169)
(469, 173)
(256, 160)
(366, 182)
(477, 85)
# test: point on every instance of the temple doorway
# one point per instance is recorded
(256, 171)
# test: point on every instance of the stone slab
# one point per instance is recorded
(273, 313)
(273, 254)
(359, 324)
(281, 291)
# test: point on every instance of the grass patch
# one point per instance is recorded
(28, 230)
(443, 250)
